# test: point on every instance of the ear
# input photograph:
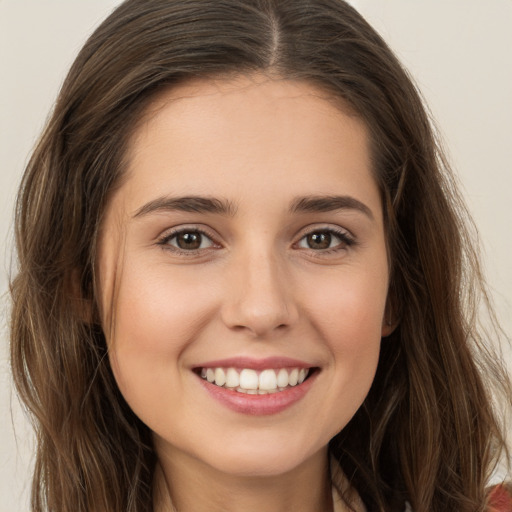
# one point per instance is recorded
(81, 305)
(391, 318)
(388, 327)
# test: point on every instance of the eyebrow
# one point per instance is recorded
(193, 204)
(204, 204)
(328, 204)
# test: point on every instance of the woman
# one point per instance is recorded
(244, 275)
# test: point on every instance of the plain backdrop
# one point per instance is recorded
(458, 51)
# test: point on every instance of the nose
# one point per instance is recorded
(259, 296)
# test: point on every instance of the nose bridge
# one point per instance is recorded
(260, 298)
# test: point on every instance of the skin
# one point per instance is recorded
(256, 287)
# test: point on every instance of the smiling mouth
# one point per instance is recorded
(255, 382)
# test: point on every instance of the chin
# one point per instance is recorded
(257, 460)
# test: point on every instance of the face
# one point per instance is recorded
(244, 273)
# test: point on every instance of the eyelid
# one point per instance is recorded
(319, 226)
(169, 234)
(346, 237)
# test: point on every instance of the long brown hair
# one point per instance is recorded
(427, 432)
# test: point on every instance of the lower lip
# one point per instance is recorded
(259, 405)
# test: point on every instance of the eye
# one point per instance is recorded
(324, 239)
(188, 240)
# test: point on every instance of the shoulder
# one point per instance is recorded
(500, 498)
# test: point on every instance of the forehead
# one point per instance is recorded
(204, 130)
(226, 90)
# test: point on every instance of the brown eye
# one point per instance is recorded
(324, 239)
(189, 241)
(319, 240)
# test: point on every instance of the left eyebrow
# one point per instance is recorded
(328, 204)
(193, 204)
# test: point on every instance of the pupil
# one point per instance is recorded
(189, 241)
(319, 240)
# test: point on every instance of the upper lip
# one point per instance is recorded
(256, 364)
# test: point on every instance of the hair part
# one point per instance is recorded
(427, 432)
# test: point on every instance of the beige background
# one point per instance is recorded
(459, 51)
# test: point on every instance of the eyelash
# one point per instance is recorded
(346, 241)
(166, 239)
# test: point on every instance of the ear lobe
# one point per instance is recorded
(391, 318)
(83, 310)
(82, 307)
(388, 326)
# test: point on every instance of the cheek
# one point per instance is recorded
(349, 312)
(157, 309)
(155, 319)
(348, 307)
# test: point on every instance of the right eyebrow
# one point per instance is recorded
(195, 204)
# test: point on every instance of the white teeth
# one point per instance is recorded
(220, 377)
(282, 378)
(248, 379)
(252, 382)
(293, 378)
(267, 380)
(232, 378)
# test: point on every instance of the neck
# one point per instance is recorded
(195, 487)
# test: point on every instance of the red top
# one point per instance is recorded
(500, 499)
